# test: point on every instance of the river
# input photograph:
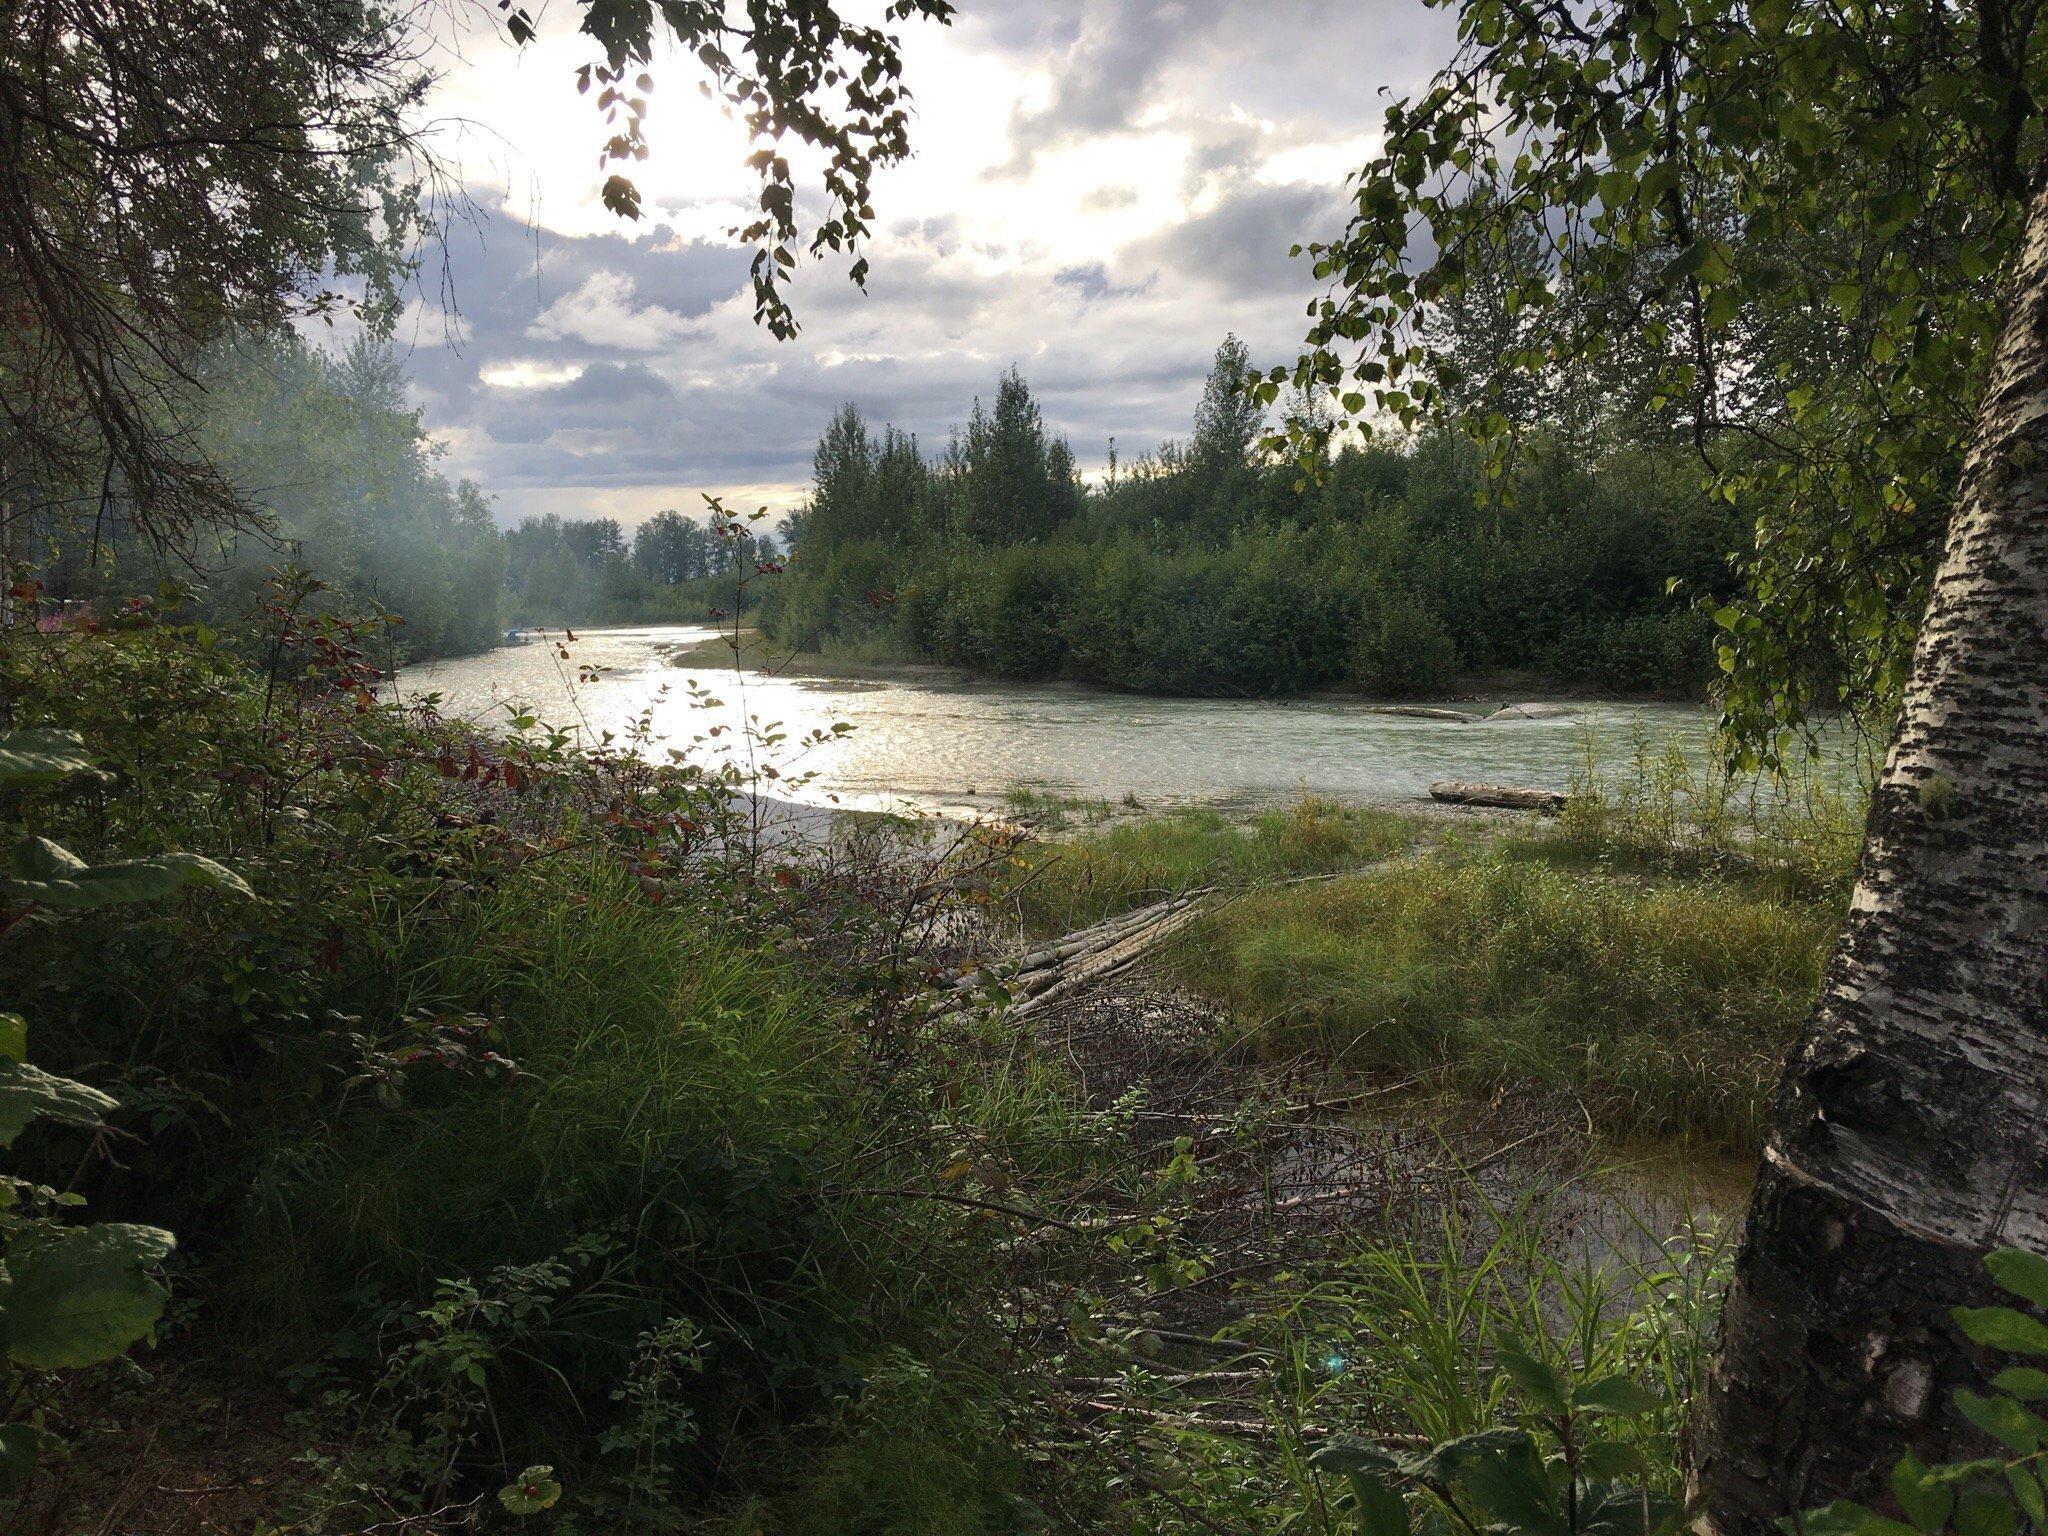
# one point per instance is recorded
(919, 743)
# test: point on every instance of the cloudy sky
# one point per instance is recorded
(1101, 189)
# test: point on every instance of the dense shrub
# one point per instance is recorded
(1204, 571)
(528, 1113)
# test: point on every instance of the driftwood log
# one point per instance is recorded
(1508, 796)
(1421, 712)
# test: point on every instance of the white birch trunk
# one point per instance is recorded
(1909, 1134)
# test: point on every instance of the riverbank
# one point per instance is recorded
(1485, 692)
(1628, 971)
(535, 1110)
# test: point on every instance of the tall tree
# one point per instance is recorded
(669, 548)
(842, 476)
(1017, 481)
(1229, 416)
(1810, 205)
(173, 173)
(1908, 1138)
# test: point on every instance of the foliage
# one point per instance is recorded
(1070, 883)
(791, 69)
(1461, 1370)
(1670, 811)
(1992, 1495)
(70, 1296)
(1786, 221)
(675, 568)
(175, 175)
(532, 1110)
(1656, 1009)
(1564, 1478)
(1204, 570)
(1664, 1012)
(337, 462)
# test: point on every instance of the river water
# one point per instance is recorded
(920, 743)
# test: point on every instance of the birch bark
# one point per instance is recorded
(1908, 1134)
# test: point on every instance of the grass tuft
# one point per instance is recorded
(1663, 1009)
(1074, 883)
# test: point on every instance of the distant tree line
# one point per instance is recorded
(588, 571)
(1206, 568)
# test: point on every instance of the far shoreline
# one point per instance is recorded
(1491, 689)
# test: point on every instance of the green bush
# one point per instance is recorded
(519, 1115)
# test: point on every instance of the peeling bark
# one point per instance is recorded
(1908, 1134)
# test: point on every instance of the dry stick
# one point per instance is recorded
(1350, 1191)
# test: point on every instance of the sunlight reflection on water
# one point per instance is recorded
(946, 746)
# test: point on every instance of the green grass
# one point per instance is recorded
(1050, 811)
(1664, 1008)
(1796, 835)
(1069, 884)
(696, 1116)
(1398, 1347)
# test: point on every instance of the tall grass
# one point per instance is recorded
(1397, 1347)
(1663, 1010)
(696, 1138)
(1070, 884)
(1676, 811)
(1407, 1331)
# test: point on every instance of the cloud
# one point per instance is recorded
(1093, 282)
(1102, 189)
(1240, 243)
(606, 313)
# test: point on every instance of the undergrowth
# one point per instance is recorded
(1070, 883)
(1473, 1324)
(574, 1155)
(1663, 1010)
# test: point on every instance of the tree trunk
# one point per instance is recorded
(1908, 1136)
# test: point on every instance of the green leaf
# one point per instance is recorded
(2026, 1491)
(29, 1093)
(2022, 1273)
(40, 756)
(42, 872)
(21, 1448)
(13, 1037)
(1927, 1504)
(1539, 1382)
(2022, 1381)
(1842, 1518)
(1348, 1457)
(1381, 1510)
(1609, 1459)
(1616, 1394)
(531, 1492)
(84, 1297)
(1509, 1486)
(2003, 1329)
(1629, 1511)
(1982, 1511)
(2004, 1420)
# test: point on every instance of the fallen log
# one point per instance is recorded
(1421, 712)
(1086, 941)
(1110, 959)
(1507, 796)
